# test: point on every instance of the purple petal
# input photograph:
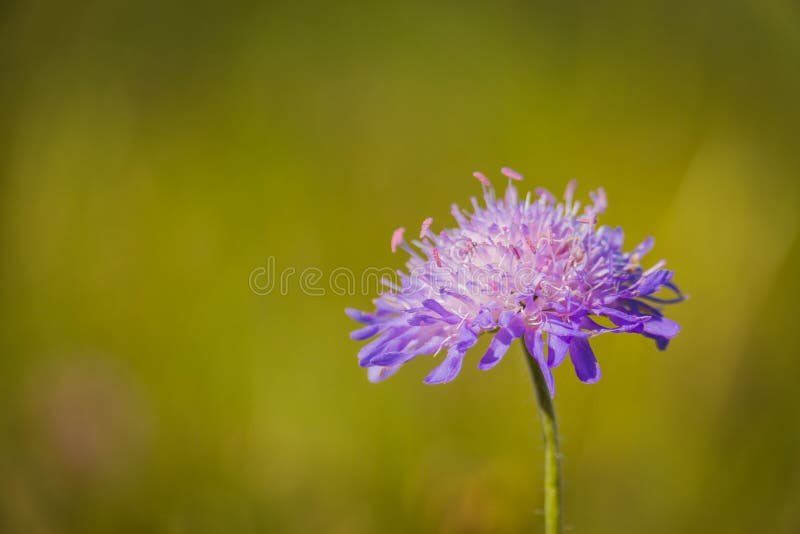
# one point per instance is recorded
(617, 238)
(392, 339)
(517, 325)
(448, 369)
(559, 328)
(365, 333)
(466, 339)
(378, 374)
(586, 366)
(360, 316)
(407, 342)
(662, 327)
(422, 320)
(652, 282)
(497, 349)
(535, 345)
(390, 359)
(377, 345)
(678, 296)
(449, 316)
(484, 319)
(456, 295)
(430, 346)
(557, 350)
(374, 347)
(644, 247)
(661, 343)
(590, 324)
(620, 317)
(505, 318)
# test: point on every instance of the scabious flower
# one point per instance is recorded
(530, 268)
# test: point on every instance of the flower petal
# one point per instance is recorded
(517, 325)
(560, 328)
(408, 342)
(451, 366)
(448, 369)
(534, 342)
(497, 349)
(620, 317)
(360, 316)
(661, 342)
(644, 247)
(651, 283)
(616, 238)
(588, 323)
(378, 374)
(389, 359)
(365, 333)
(662, 327)
(586, 366)
(436, 307)
(557, 350)
(423, 320)
(379, 344)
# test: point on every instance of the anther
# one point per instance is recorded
(426, 224)
(530, 244)
(482, 179)
(511, 173)
(436, 257)
(397, 238)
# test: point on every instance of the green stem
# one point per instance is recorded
(552, 475)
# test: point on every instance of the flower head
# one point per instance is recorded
(530, 268)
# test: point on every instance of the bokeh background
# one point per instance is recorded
(153, 154)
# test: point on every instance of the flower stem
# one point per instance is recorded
(552, 475)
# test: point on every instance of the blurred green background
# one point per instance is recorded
(153, 154)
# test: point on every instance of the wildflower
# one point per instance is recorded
(530, 268)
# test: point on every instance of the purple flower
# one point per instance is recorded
(529, 268)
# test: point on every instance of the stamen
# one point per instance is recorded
(397, 238)
(530, 244)
(548, 196)
(436, 257)
(455, 211)
(426, 224)
(570, 191)
(659, 264)
(482, 179)
(600, 200)
(633, 262)
(511, 173)
(515, 251)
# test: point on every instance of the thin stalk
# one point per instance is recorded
(552, 474)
